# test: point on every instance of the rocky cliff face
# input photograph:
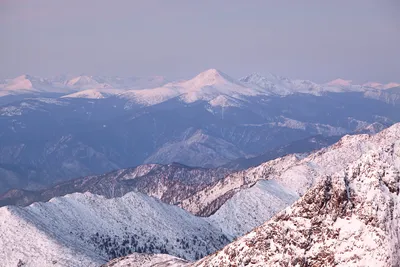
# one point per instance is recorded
(349, 218)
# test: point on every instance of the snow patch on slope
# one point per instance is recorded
(149, 97)
(251, 207)
(89, 94)
(224, 101)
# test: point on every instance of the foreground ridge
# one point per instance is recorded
(89, 230)
(350, 218)
(349, 215)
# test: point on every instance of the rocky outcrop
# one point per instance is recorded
(350, 218)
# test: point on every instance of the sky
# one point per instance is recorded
(309, 39)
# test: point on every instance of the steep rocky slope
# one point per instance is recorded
(294, 172)
(349, 218)
(347, 215)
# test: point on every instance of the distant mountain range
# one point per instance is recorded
(60, 128)
(221, 84)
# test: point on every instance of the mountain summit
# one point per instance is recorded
(340, 82)
(211, 77)
(206, 86)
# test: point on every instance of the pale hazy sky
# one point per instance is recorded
(317, 40)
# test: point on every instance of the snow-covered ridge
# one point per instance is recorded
(67, 85)
(221, 90)
(352, 201)
(26, 84)
(348, 218)
(87, 230)
(381, 86)
(276, 85)
(197, 146)
(251, 207)
(170, 183)
(294, 173)
(29, 105)
(94, 93)
(207, 86)
(83, 81)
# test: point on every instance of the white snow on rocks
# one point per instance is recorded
(147, 260)
(86, 230)
(348, 218)
(251, 207)
(294, 173)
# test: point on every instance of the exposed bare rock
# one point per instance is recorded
(349, 218)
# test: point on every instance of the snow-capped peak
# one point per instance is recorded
(20, 83)
(205, 86)
(210, 77)
(224, 101)
(83, 82)
(381, 86)
(391, 85)
(341, 85)
(210, 84)
(25, 84)
(340, 82)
